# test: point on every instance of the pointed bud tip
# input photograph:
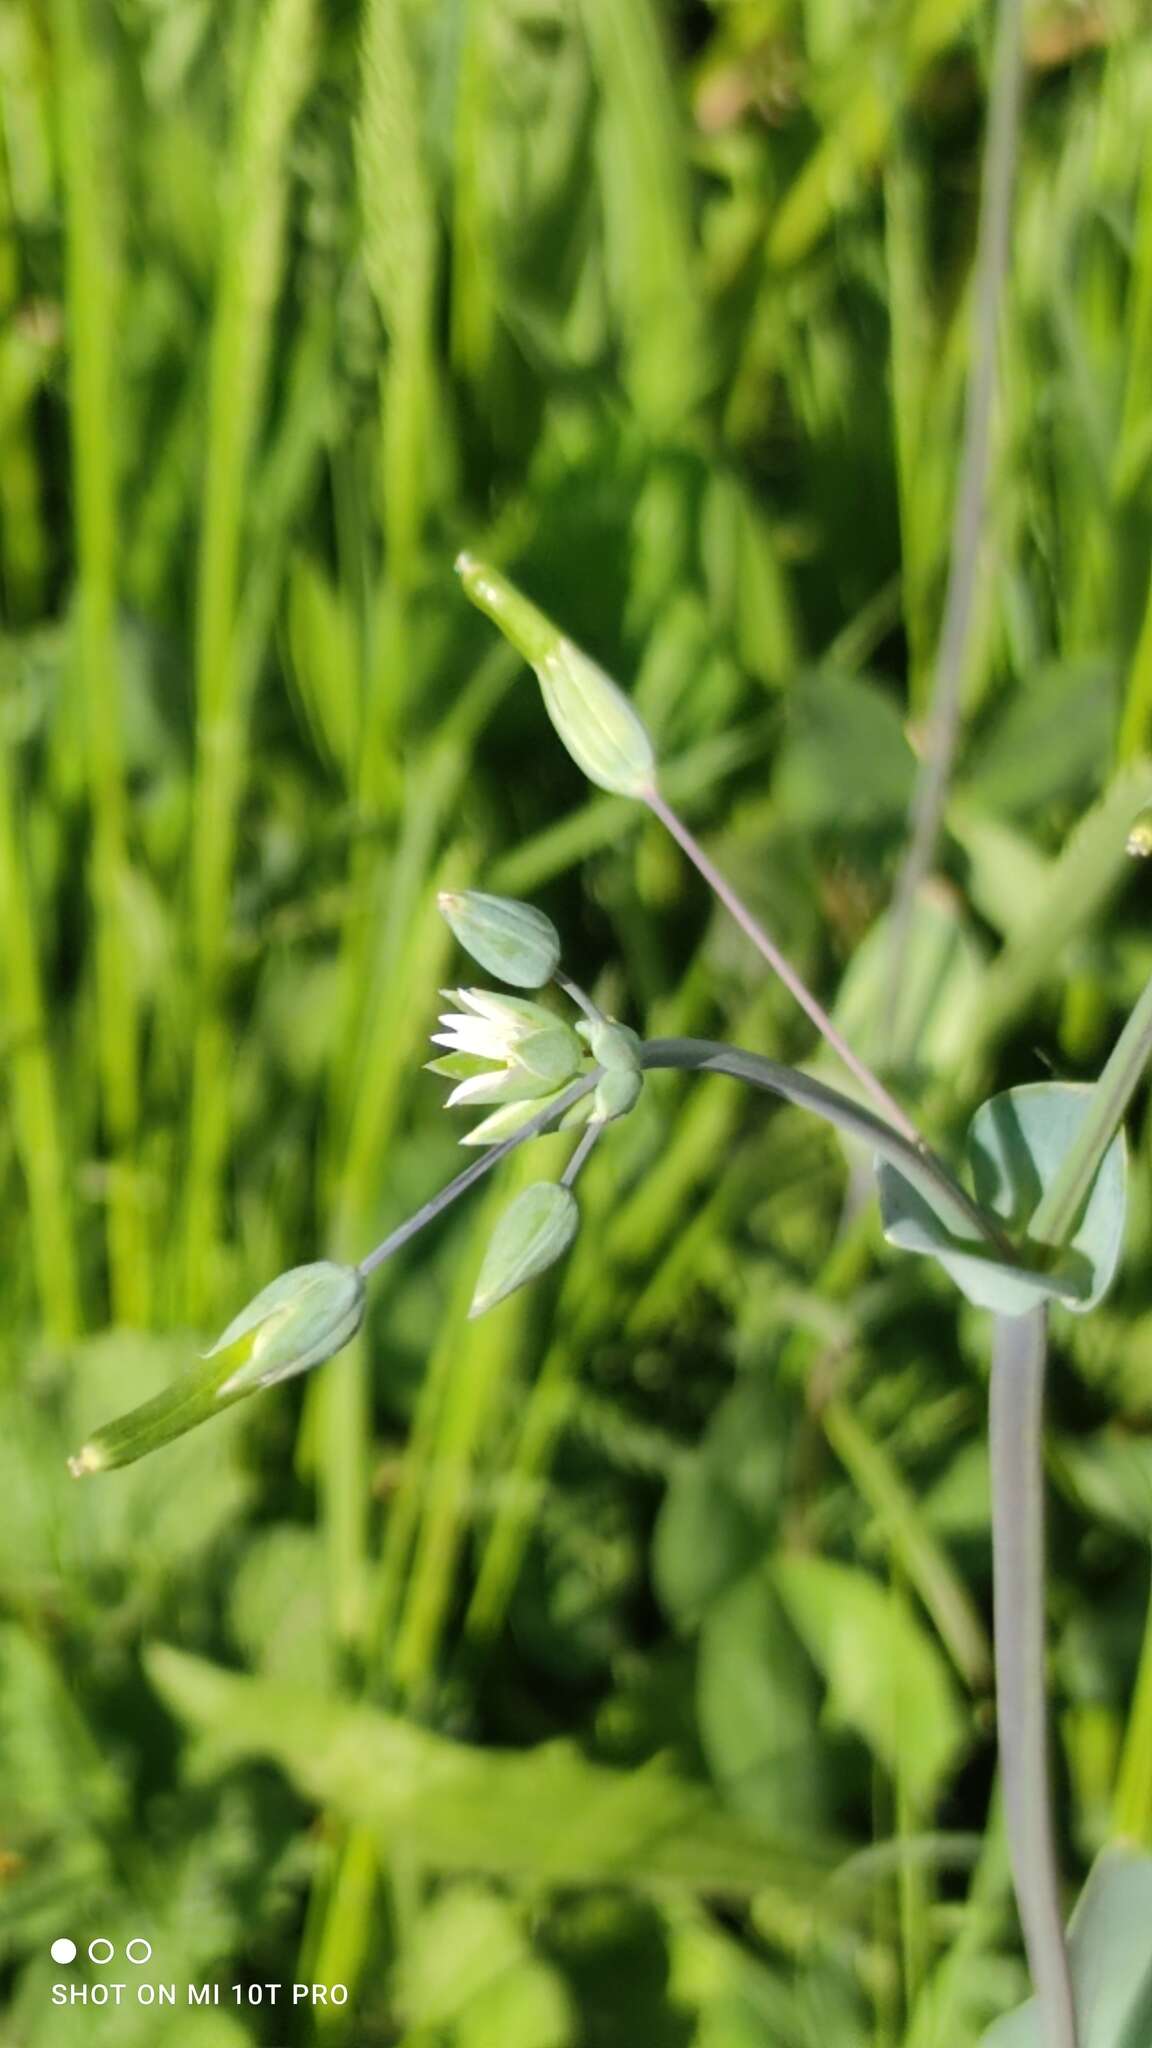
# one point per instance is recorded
(90, 1459)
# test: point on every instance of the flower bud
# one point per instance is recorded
(514, 941)
(532, 1234)
(615, 1047)
(593, 717)
(617, 1091)
(295, 1322)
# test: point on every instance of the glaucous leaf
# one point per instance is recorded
(1016, 1143)
(1110, 1949)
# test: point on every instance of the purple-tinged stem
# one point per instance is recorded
(766, 946)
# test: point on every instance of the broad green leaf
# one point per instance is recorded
(886, 1678)
(1052, 740)
(546, 1814)
(846, 760)
(756, 1706)
(1110, 1947)
(470, 1966)
(1015, 1145)
(943, 977)
(722, 1503)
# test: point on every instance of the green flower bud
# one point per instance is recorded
(514, 941)
(593, 717)
(615, 1047)
(295, 1322)
(617, 1091)
(532, 1234)
(292, 1324)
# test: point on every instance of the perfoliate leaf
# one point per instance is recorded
(1110, 1950)
(1015, 1146)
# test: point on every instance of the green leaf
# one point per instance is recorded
(886, 1678)
(722, 1503)
(1015, 1145)
(756, 1706)
(545, 1813)
(846, 759)
(1110, 1945)
(469, 1966)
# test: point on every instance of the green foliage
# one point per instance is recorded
(1111, 1961)
(1016, 1145)
(665, 310)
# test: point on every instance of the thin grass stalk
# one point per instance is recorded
(23, 543)
(993, 256)
(248, 285)
(1059, 1209)
(1132, 1804)
(1015, 1429)
(479, 1356)
(40, 1142)
(400, 245)
(92, 269)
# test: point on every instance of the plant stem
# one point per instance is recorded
(970, 514)
(912, 1157)
(588, 1139)
(1015, 1432)
(793, 982)
(1059, 1210)
(576, 995)
(471, 1174)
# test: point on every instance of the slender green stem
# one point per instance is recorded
(576, 995)
(1059, 1210)
(914, 1160)
(970, 517)
(571, 1172)
(1015, 1430)
(768, 949)
(542, 1121)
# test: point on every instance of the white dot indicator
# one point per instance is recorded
(63, 1950)
(101, 1941)
(143, 1947)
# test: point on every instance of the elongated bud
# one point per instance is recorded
(1139, 841)
(532, 1234)
(593, 717)
(297, 1321)
(514, 941)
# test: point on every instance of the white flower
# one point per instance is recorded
(503, 1048)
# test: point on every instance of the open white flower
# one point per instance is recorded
(504, 1049)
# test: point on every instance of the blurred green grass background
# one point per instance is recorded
(615, 1669)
